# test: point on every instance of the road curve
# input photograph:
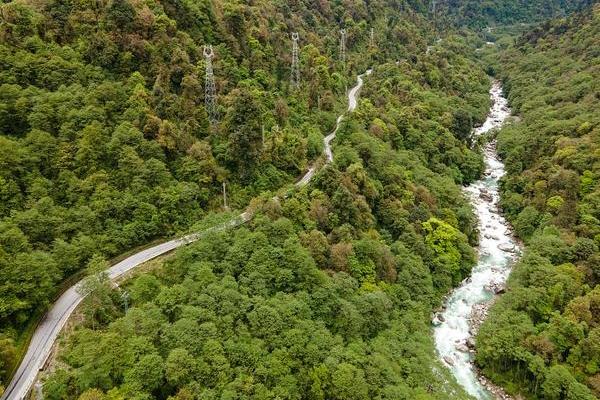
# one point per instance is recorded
(55, 319)
(352, 103)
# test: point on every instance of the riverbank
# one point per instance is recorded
(467, 306)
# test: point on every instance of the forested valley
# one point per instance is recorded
(543, 336)
(327, 293)
(105, 140)
(106, 143)
(487, 13)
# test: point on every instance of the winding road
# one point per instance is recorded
(55, 319)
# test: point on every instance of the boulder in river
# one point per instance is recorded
(486, 197)
(463, 348)
(449, 360)
(495, 288)
(507, 248)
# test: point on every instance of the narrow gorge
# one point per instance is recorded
(466, 307)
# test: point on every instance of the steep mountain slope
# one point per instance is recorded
(104, 138)
(325, 294)
(542, 337)
(480, 14)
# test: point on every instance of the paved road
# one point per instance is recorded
(56, 318)
(352, 103)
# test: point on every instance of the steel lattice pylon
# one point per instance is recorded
(295, 76)
(343, 46)
(210, 90)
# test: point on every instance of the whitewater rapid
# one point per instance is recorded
(467, 305)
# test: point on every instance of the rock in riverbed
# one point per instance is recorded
(495, 288)
(463, 348)
(486, 197)
(507, 248)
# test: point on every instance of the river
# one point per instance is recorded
(467, 305)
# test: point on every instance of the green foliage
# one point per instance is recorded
(535, 337)
(326, 293)
(480, 14)
(104, 138)
(223, 318)
(452, 255)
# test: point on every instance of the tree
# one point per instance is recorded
(92, 394)
(560, 384)
(121, 15)
(462, 125)
(348, 383)
(452, 256)
(98, 305)
(180, 367)
(243, 122)
(147, 374)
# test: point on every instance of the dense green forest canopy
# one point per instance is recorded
(106, 145)
(480, 14)
(543, 336)
(325, 294)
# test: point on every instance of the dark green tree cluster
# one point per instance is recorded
(325, 294)
(481, 14)
(542, 336)
(104, 137)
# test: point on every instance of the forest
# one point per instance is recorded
(324, 294)
(491, 13)
(106, 143)
(327, 293)
(543, 337)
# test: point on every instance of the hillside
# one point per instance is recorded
(327, 289)
(106, 143)
(480, 14)
(542, 337)
(325, 294)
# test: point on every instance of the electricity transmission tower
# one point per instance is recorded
(433, 11)
(295, 78)
(210, 91)
(343, 46)
(372, 44)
